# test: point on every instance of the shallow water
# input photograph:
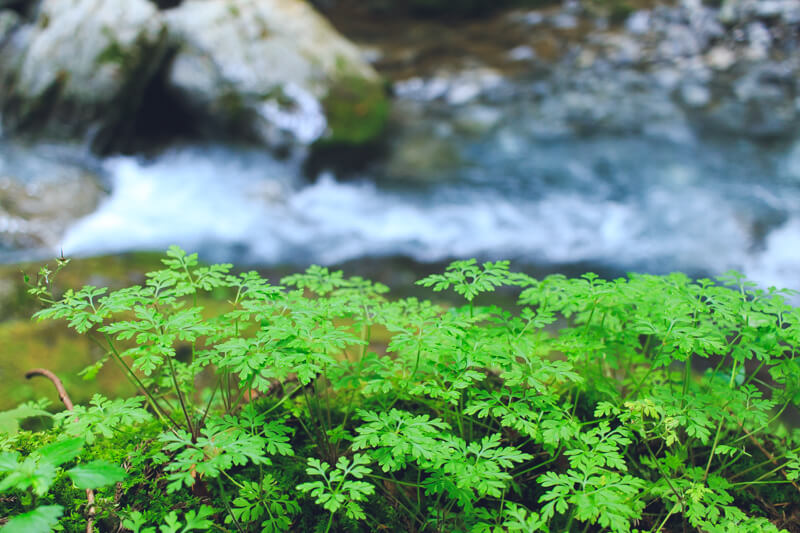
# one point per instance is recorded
(618, 203)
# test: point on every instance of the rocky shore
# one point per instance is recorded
(522, 101)
(730, 69)
(269, 71)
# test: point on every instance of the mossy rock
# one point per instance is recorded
(356, 109)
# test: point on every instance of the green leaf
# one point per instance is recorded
(9, 420)
(60, 452)
(40, 520)
(96, 474)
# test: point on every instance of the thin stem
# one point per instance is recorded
(228, 507)
(129, 372)
(719, 426)
(180, 396)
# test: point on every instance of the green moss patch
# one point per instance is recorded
(356, 110)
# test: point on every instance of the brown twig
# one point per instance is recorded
(62, 394)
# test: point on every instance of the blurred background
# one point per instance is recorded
(390, 136)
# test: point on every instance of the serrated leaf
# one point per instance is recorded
(96, 474)
(60, 452)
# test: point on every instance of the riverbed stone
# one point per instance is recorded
(82, 66)
(265, 65)
(720, 58)
(38, 202)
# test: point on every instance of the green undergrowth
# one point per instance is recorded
(646, 403)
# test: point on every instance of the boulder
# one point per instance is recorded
(82, 66)
(272, 69)
(41, 194)
(9, 20)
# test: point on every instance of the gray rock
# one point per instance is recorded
(564, 21)
(82, 65)
(759, 40)
(679, 41)
(759, 104)
(266, 62)
(695, 95)
(638, 23)
(531, 18)
(9, 21)
(522, 53)
(423, 156)
(738, 11)
(41, 195)
(720, 58)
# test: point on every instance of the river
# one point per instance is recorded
(476, 163)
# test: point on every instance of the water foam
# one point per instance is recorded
(241, 205)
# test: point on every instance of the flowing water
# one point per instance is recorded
(475, 165)
(620, 203)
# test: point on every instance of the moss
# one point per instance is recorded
(356, 110)
(52, 345)
(28, 345)
(113, 53)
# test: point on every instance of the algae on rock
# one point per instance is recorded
(270, 63)
(82, 66)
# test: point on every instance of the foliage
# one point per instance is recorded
(36, 473)
(646, 403)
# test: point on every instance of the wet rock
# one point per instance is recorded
(720, 58)
(695, 95)
(83, 65)
(477, 120)
(760, 40)
(454, 88)
(9, 20)
(522, 53)
(638, 23)
(564, 21)
(679, 41)
(264, 66)
(40, 196)
(422, 156)
(759, 103)
(737, 11)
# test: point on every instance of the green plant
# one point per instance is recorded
(646, 403)
(35, 473)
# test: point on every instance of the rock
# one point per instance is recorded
(422, 156)
(261, 65)
(9, 20)
(477, 120)
(531, 18)
(638, 23)
(760, 40)
(40, 196)
(759, 104)
(695, 94)
(720, 58)
(564, 21)
(83, 65)
(522, 53)
(679, 41)
(737, 11)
